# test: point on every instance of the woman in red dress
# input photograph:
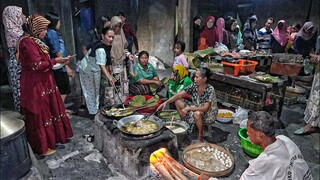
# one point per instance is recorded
(41, 103)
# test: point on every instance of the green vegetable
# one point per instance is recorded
(138, 101)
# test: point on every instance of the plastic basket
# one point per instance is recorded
(249, 148)
(252, 105)
(231, 68)
(247, 66)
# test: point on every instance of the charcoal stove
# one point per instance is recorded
(131, 154)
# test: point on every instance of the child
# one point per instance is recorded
(180, 58)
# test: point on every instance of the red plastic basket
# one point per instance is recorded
(147, 110)
(247, 68)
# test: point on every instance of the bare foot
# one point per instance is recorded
(49, 152)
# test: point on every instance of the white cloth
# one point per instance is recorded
(91, 64)
(281, 160)
(90, 84)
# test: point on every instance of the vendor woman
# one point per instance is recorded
(144, 75)
(179, 80)
(203, 106)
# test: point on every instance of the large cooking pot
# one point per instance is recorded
(15, 157)
(121, 123)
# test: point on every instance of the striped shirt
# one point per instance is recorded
(264, 38)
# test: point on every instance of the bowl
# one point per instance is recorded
(179, 128)
(252, 150)
(222, 119)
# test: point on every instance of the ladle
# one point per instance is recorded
(144, 117)
(117, 92)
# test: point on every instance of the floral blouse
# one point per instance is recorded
(208, 95)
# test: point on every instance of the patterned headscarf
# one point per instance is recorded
(12, 21)
(35, 25)
(220, 28)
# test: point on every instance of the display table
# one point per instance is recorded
(262, 92)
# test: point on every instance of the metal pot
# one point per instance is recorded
(104, 109)
(15, 157)
(120, 124)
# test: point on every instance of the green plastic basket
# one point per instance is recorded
(249, 148)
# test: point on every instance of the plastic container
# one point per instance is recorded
(247, 66)
(231, 68)
(249, 148)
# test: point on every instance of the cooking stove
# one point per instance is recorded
(131, 154)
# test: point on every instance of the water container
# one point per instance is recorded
(87, 19)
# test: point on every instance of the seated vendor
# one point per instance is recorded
(281, 157)
(203, 105)
(179, 80)
(144, 75)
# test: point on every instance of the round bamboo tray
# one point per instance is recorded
(208, 173)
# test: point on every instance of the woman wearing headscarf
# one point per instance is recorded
(312, 111)
(304, 41)
(208, 36)
(231, 26)
(197, 27)
(119, 55)
(13, 19)
(250, 33)
(179, 80)
(221, 32)
(41, 103)
(279, 37)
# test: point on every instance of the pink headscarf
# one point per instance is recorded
(281, 34)
(209, 33)
(302, 32)
(220, 28)
(12, 21)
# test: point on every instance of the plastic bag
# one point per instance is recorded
(219, 47)
(240, 115)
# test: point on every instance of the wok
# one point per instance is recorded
(104, 109)
(121, 123)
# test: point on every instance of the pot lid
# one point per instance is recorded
(10, 124)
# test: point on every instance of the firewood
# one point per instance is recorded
(179, 166)
(170, 166)
(161, 169)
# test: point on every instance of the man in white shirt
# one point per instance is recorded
(281, 158)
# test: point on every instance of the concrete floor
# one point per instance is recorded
(88, 163)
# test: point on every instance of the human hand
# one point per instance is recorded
(131, 57)
(111, 81)
(162, 106)
(158, 83)
(69, 71)
(315, 58)
(184, 112)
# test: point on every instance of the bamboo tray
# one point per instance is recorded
(208, 173)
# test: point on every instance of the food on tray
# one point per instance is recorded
(265, 78)
(208, 159)
(225, 114)
(118, 112)
(144, 126)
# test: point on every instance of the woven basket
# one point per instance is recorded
(208, 173)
